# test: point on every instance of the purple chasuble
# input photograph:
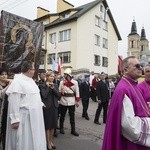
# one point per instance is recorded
(145, 90)
(113, 139)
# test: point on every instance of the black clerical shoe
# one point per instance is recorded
(96, 122)
(62, 131)
(74, 133)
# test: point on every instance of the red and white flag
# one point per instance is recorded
(59, 65)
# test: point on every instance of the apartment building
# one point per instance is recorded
(85, 38)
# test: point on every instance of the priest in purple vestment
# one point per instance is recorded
(128, 120)
(145, 85)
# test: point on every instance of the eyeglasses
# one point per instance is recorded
(138, 66)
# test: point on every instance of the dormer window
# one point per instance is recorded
(65, 15)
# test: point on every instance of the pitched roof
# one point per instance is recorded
(81, 10)
(68, 3)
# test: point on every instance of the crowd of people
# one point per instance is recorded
(32, 112)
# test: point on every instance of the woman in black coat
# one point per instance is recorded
(50, 96)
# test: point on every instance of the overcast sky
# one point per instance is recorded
(123, 12)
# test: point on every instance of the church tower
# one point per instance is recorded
(144, 43)
(134, 48)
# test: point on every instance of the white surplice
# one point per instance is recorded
(25, 107)
(134, 128)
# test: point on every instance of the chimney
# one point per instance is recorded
(41, 12)
(62, 5)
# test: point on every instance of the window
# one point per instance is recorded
(105, 43)
(42, 59)
(142, 47)
(132, 44)
(97, 40)
(50, 57)
(97, 21)
(97, 60)
(101, 8)
(65, 15)
(53, 38)
(105, 62)
(64, 35)
(105, 25)
(65, 57)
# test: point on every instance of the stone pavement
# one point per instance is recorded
(90, 134)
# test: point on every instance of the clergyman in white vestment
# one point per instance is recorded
(25, 124)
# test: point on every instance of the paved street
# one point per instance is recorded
(90, 134)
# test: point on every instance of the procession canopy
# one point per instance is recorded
(20, 39)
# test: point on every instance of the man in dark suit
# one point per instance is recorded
(42, 76)
(103, 98)
(85, 95)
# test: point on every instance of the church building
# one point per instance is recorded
(138, 45)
